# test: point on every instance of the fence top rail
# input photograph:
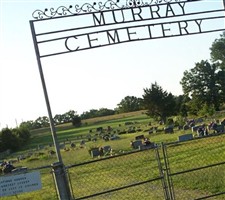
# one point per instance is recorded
(39, 168)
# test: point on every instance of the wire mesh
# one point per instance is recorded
(131, 176)
(192, 169)
(197, 168)
(150, 191)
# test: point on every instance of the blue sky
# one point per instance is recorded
(89, 79)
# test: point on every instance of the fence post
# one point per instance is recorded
(58, 169)
(61, 181)
(161, 172)
(167, 173)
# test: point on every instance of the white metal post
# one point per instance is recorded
(61, 180)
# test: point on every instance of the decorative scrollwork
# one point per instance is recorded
(94, 7)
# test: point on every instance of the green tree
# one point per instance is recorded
(203, 85)
(194, 105)
(97, 113)
(23, 133)
(159, 103)
(105, 112)
(89, 114)
(76, 121)
(68, 116)
(218, 51)
(58, 119)
(13, 139)
(181, 105)
(221, 84)
(9, 140)
(207, 110)
(27, 124)
(41, 122)
(129, 104)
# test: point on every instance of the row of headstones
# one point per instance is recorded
(109, 130)
(189, 136)
(137, 144)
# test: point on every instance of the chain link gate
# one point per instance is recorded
(169, 171)
(135, 175)
(195, 169)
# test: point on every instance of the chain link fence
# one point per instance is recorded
(187, 170)
(135, 175)
(196, 168)
(192, 169)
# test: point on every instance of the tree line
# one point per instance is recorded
(203, 93)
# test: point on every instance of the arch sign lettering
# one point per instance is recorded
(75, 28)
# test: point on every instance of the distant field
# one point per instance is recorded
(67, 131)
(116, 117)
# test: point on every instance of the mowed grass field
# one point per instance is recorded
(128, 168)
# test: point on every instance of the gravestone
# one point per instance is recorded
(185, 137)
(219, 128)
(106, 149)
(143, 147)
(137, 143)
(62, 146)
(168, 130)
(95, 152)
(99, 129)
(195, 128)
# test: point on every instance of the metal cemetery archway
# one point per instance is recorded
(109, 23)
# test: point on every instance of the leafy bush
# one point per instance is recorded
(13, 139)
